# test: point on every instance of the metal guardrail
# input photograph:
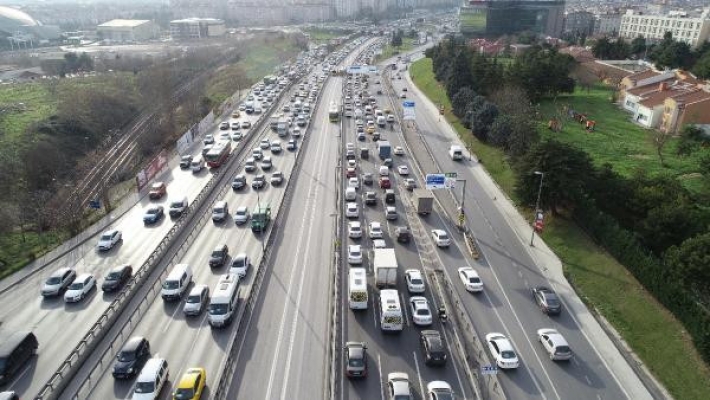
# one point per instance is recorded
(71, 365)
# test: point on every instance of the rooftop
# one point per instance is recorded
(124, 23)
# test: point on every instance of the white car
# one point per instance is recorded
(351, 210)
(403, 170)
(265, 144)
(296, 132)
(375, 230)
(555, 344)
(354, 230)
(241, 216)
(384, 170)
(379, 244)
(439, 390)
(354, 182)
(415, 281)
(502, 351)
(398, 386)
(196, 300)
(441, 238)
(246, 125)
(240, 265)
(276, 146)
(225, 136)
(237, 136)
(81, 286)
(398, 151)
(209, 139)
(421, 314)
(109, 239)
(470, 279)
(354, 254)
(349, 146)
(58, 281)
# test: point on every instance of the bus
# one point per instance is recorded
(357, 289)
(390, 310)
(334, 112)
(218, 154)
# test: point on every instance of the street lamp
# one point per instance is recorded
(537, 205)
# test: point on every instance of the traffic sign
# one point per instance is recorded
(435, 181)
(489, 369)
(94, 204)
(452, 175)
(408, 113)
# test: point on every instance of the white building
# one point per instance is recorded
(692, 30)
(127, 30)
(197, 28)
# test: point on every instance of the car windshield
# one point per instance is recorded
(356, 363)
(474, 279)
(54, 280)
(443, 236)
(355, 253)
(563, 350)
(171, 284)
(152, 211)
(416, 281)
(106, 237)
(145, 387)
(114, 276)
(238, 263)
(402, 397)
(176, 205)
(184, 394)
(507, 354)
(551, 300)
(126, 356)
(241, 212)
(76, 286)
(193, 299)
(217, 254)
(218, 309)
(444, 396)
(423, 312)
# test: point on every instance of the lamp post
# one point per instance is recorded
(537, 205)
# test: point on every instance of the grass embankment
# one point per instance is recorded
(604, 284)
(388, 50)
(320, 35)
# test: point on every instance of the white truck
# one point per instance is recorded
(385, 265)
(456, 152)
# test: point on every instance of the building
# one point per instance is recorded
(21, 30)
(692, 30)
(504, 17)
(666, 100)
(197, 28)
(127, 30)
(579, 23)
(607, 24)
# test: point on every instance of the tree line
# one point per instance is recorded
(657, 228)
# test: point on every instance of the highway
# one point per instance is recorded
(508, 274)
(22, 306)
(284, 352)
(390, 352)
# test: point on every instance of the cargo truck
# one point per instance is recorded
(423, 200)
(260, 218)
(385, 266)
(384, 149)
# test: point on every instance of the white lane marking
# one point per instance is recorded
(419, 374)
(172, 317)
(382, 387)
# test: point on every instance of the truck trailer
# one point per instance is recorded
(385, 266)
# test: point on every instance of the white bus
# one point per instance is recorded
(357, 289)
(225, 300)
(390, 310)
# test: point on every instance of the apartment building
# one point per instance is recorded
(692, 30)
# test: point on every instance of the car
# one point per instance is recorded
(349, 146)
(191, 385)
(403, 95)
(370, 198)
(257, 154)
(350, 172)
(354, 230)
(385, 183)
(296, 132)
(223, 126)
(58, 281)
(291, 145)
(402, 234)
(352, 163)
(433, 347)
(77, 291)
(390, 119)
(352, 210)
(225, 136)
(398, 386)
(361, 136)
(555, 344)
(264, 144)
(415, 281)
(153, 214)
(547, 300)
(502, 351)
(266, 163)
(421, 314)
(246, 125)
(237, 136)
(131, 358)
(470, 279)
(374, 230)
(116, 278)
(219, 256)
(388, 163)
(259, 182)
(157, 190)
(242, 107)
(354, 254)
(109, 239)
(241, 216)
(236, 126)
(441, 238)
(409, 184)
(398, 151)
(185, 161)
(277, 178)
(240, 265)
(355, 359)
(439, 390)
(367, 178)
(276, 146)
(236, 114)
(384, 170)
(354, 182)
(404, 89)
(209, 139)
(196, 300)
(403, 170)
(390, 212)
(239, 182)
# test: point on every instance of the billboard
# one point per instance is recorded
(149, 172)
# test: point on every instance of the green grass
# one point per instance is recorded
(38, 105)
(320, 35)
(16, 251)
(604, 284)
(388, 50)
(626, 146)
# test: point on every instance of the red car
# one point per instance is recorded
(350, 173)
(157, 190)
(385, 183)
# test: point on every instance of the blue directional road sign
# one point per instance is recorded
(489, 369)
(94, 204)
(435, 181)
(408, 113)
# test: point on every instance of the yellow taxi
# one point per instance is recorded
(236, 114)
(191, 385)
(370, 129)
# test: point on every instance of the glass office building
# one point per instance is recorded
(493, 18)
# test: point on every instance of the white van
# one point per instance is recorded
(177, 282)
(456, 152)
(225, 300)
(197, 163)
(381, 121)
(151, 380)
(350, 194)
(177, 207)
(220, 211)
(357, 289)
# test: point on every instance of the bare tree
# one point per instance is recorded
(660, 140)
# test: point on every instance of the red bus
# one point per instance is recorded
(218, 154)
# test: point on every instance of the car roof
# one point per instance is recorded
(197, 289)
(413, 272)
(120, 267)
(400, 382)
(10, 342)
(133, 343)
(187, 381)
(150, 369)
(111, 232)
(59, 272)
(83, 276)
(354, 247)
(500, 339)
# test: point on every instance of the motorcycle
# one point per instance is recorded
(442, 315)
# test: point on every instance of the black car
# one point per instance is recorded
(547, 300)
(116, 278)
(432, 347)
(153, 215)
(131, 358)
(219, 256)
(355, 360)
(185, 162)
